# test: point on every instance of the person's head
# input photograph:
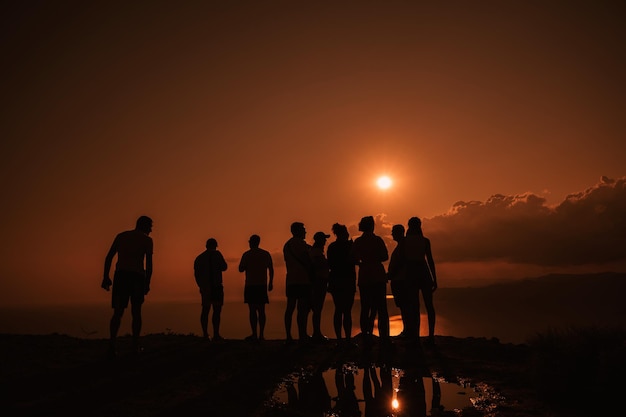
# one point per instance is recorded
(341, 231)
(254, 241)
(144, 224)
(397, 232)
(211, 244)
(415, 226)
(367, 224)
(320, 238)
(298, 230)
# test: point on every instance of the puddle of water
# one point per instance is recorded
(377, 391)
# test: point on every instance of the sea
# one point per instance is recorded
(183, 317)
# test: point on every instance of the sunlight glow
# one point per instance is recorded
(384, 182)
(395, 404)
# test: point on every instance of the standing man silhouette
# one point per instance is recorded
(257, 263)
(208, 268)
(131, 280)
(369, 252)
(298, 281)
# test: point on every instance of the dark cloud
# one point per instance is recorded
(588, 227)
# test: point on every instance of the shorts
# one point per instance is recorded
(299, 291)
(255, 294)
(212, 296)
(128, 285)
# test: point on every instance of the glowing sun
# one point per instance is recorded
(384, 182)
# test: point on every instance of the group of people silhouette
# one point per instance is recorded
(311, 274)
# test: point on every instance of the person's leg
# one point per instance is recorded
(204, 320)
(253, 319)
(321, 299)
(365, 311)
(411, 311)
(427, 294)
(136, 325)
(116, 320)
(317, 301)
(262, 320)
(304, 307)
(347, 304)
(337, 315)
(383, 314)
(291, 306)
(216, 319)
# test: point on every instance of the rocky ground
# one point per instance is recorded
(185, 375)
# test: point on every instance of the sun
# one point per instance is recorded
(384, 182)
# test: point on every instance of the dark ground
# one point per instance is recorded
(185, 375)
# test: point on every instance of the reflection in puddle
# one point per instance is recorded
(377, 391)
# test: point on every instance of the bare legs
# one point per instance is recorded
(215, 319)
(342, 317)
(116, 320)
(257, 316)
(302, 316)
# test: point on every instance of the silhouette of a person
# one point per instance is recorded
(411, 395)
(319, 286)
(257, 264)
(298, 281)
(420, 267)
(399, 284)
(377, 393)
(342, 280)
(311, 398)
(208, 268)
(314, 394)
(369, 253)
(347, 403)
(131, 280)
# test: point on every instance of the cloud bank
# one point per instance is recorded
(588, 227)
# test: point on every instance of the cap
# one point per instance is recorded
(320, 236)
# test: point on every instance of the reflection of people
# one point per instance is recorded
(319, 286)
(421, 268)
(312, 399)
(131, 280)
(377, 393)
(347, 403)
(298, 280)
(257, 263)
(208, 268)
(369, 252)
(411, 395)
(342, 280)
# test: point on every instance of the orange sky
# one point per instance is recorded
(222, 121)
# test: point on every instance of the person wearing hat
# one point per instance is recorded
(319, 285)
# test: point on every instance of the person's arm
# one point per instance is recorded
(384, 254)
(242, 263)
(270, 269)
(224, 265)
(148, 271)
(431, 264)
(108, 260)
